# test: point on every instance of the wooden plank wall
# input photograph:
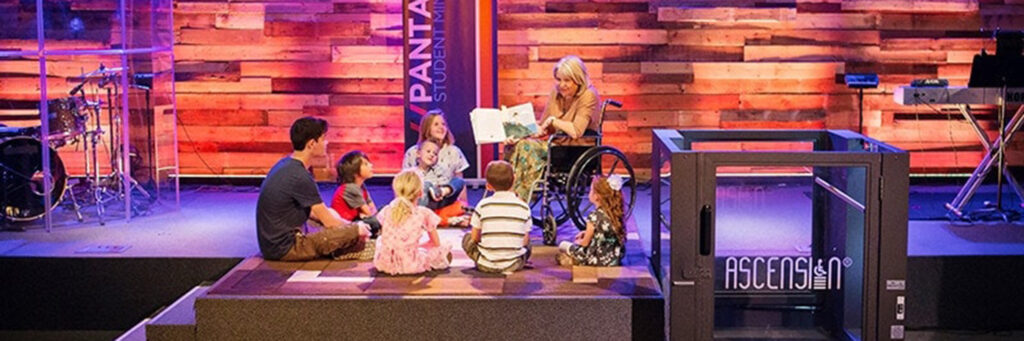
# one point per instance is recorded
(246, 70)
(759, 64)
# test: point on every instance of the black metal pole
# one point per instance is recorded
(1001, 161)
(860, 109)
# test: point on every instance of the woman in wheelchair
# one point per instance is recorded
(570, 110)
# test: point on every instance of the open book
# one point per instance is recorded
(497, 125)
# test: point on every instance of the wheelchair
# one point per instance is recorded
(562, 191)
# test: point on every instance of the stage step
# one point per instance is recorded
(434, 318)
(326, 299)
(176, 322)
(136, 332)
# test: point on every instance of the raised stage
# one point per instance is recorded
(262, 299)
(960, 278)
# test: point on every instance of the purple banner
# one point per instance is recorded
(446, 67)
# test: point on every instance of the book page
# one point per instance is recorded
(487, 125)
(519, 121)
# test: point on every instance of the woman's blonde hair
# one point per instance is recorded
(610, 201)
(408, 186)
(428, 120)
(572, 67)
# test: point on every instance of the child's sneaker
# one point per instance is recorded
(458, 221)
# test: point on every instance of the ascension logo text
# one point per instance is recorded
(785, 273)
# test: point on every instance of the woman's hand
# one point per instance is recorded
(579, 236)
(545, 124)
(512, 140)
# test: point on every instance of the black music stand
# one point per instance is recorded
(1005, 69)
(861, 81)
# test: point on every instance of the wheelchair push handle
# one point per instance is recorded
(613, 103)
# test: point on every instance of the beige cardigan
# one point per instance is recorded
(582, 111)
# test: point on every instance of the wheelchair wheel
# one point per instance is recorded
(550, 230)
(603, 161)
(556, 208)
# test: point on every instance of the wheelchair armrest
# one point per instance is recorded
(586, 133)
(558, 135)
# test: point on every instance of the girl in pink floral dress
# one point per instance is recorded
(403, 224)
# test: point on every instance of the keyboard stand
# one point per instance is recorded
(992, 149)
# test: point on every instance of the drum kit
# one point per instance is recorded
(73, 121)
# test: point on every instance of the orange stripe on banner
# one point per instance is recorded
(487, 46)
(486, 86)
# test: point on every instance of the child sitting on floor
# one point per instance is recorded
(351, 199)
(403, 223)
(440, 194)
(500, 238)
(603, 243)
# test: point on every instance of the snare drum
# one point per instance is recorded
(21, 178)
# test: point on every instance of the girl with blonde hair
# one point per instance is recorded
(571, 109)
(603, 243)
(403, 223)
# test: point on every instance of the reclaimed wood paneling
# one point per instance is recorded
(750, 66)
(246, 69)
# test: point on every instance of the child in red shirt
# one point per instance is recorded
(351, 199)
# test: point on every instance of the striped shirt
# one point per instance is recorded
(504, 221)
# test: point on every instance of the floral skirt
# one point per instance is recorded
(528, 158)
(597, 255)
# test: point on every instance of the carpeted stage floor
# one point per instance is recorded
(255, 276)
(218, 221)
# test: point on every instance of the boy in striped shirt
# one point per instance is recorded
(500, 239)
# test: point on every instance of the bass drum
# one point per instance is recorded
(21, 177)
